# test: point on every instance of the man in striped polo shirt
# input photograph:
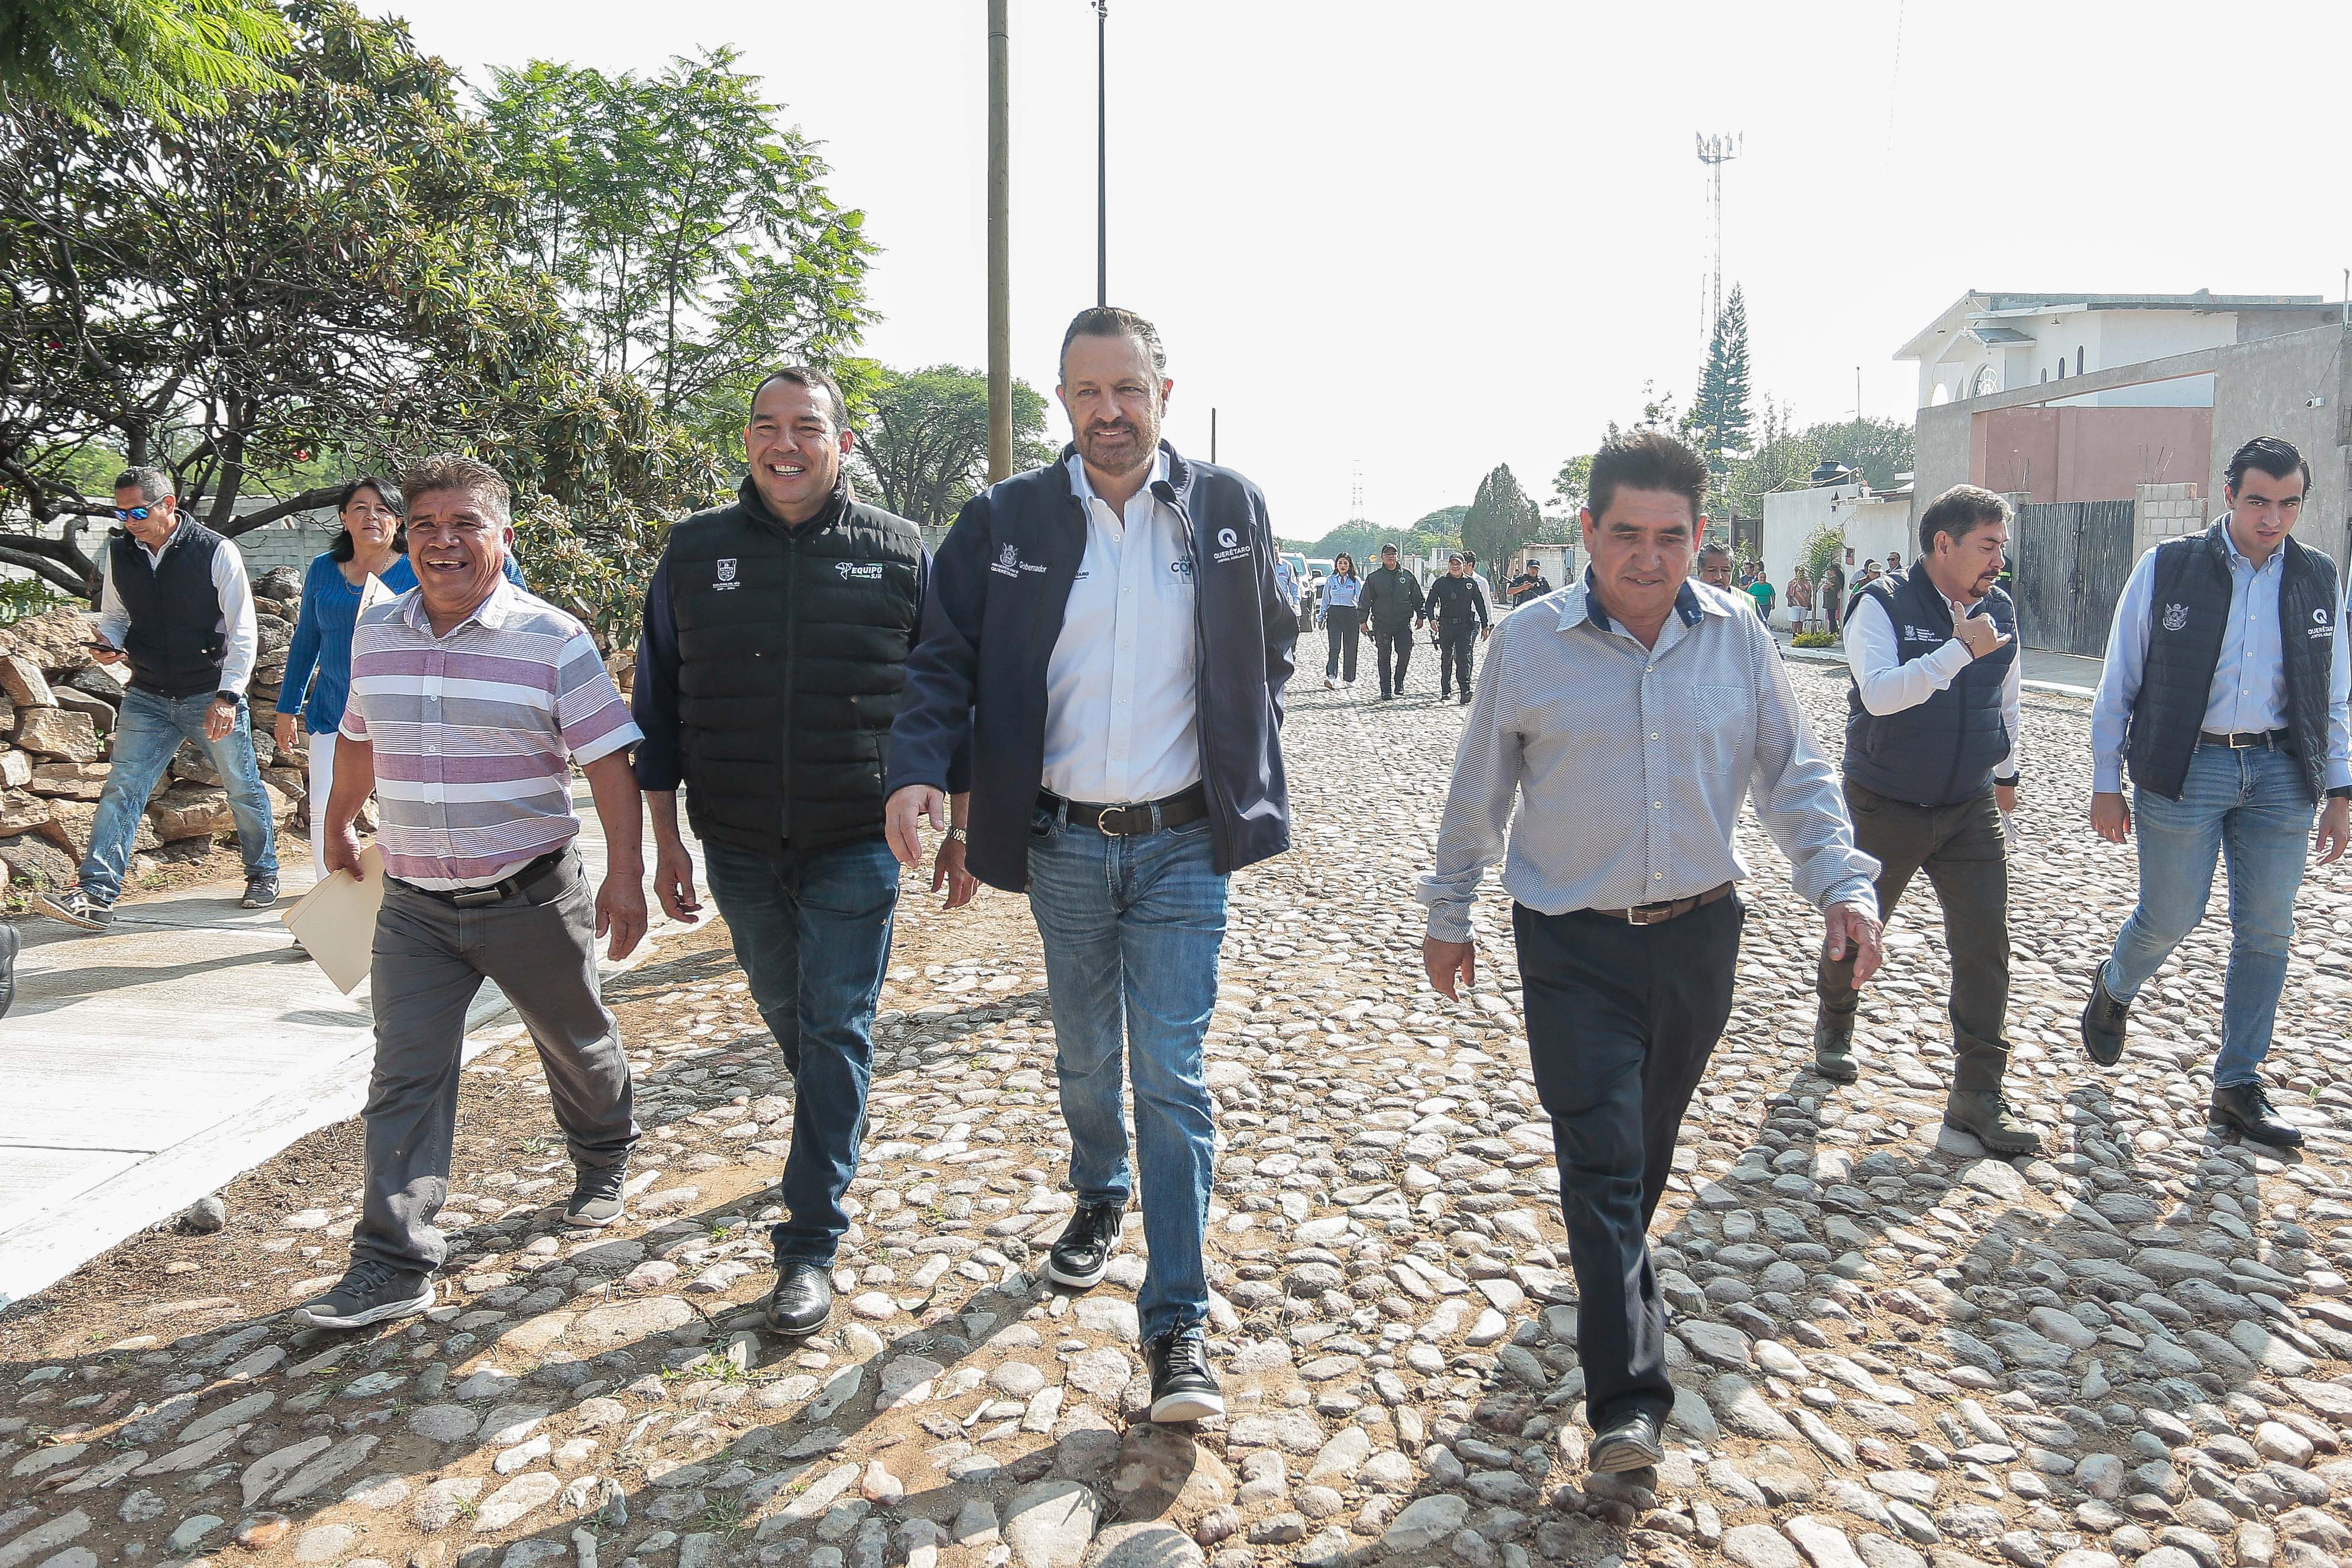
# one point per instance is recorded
(471, 699)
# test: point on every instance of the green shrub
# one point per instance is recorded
(1812, 640)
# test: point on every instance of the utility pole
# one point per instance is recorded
(1102, 153)
(1000, 245)
(1715, 151)
(1212, 434)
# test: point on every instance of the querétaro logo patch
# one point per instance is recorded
(2319, 624)
(726, 573)
(2176, 616)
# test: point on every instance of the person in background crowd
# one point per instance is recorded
(1932, 743)
(1829, 597)
(1120, 685)
(1759, 589)
(772, 663)
(9, 944)
(1870, 574)
(1310, 598)
(1392, 603)
(1341, 616)
(1485, 589)
(1459, 613)
(1621, 870)
(471, 700)
(1799, 599)
(2228, 695)
(1286, 581)
(1894, 563)
(1529, 584)
(177, 605)
(1715, 567)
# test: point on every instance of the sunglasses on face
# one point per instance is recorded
(132, 515)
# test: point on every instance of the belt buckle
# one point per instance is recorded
(1648, 913)
(476, 897)
(2244, 742)
(1102, 822)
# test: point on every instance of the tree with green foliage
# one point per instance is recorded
(1572, 485)
(1718, 420)
(168, 60)
(1437, 530)
(686, 222)
(922, 443)
(1501, 518)
(325, 269)
(1877, 449)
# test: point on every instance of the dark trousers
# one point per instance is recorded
(811, 929)
(1454, 659)
(1621, 1022)
(1339, 624)
(1961, 850)
(430, 958)
(1396, 639)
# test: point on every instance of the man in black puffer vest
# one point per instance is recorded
(2226, 691)
(776, 634)
(177, 606)
(1931, 738)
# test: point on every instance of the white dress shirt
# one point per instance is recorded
(239, 635)
(1628, 766)
(1121, 684)
(1887, 685)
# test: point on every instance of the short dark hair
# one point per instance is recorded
(2275, 456)
(1960, 512)
(1470, 557)
(817, 382)
(1111, 321)
(1645, 460)
(343, 548)
(1705, 550)
(152, 484)
(455, 471)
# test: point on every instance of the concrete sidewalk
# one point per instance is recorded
(144, 1067)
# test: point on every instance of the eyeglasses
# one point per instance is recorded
(133, 514)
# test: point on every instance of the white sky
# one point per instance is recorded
(1430, 238)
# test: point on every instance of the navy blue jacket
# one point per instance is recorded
(999, 589)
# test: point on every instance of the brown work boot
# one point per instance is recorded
(1985, 1116)
(1834, 1046)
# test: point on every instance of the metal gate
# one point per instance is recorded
(2072, 558)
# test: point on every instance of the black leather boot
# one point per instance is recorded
(2245, 1110)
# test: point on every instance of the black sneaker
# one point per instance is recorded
(802, 1298)
(2105, 1020)
(373, 1292)
(596, 1195)
(1082, 1254)
(9, 943)
(1182, 1388)
(76, 907)
(260, 893)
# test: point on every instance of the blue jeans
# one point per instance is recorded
(2248, 806)
(147, 734)
(1131, 929)
(812, 930)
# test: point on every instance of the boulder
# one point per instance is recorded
(21, 812)
(63, 780)
(57, 732)
(36, 860)
(23, 681)
(69, 824)
(282, 584)
(191, 811)
(57, 640)
(98, 710)
(16, 769)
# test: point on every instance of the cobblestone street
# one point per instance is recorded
(1891, 1352)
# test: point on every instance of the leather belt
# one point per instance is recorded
(2269, 739)
(522, 881)
(1658, 913)
(1138, 817)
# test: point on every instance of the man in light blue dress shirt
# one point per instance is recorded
(2225, 693)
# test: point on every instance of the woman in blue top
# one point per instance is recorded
(1341, 591)
(373, 543)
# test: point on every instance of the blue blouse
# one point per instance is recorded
(322, 640)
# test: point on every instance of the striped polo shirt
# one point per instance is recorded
(474, 733)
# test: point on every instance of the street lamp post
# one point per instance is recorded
(1102, 153)
(1000, 245)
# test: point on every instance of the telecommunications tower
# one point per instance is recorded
(1356, 496)
(1715, 151)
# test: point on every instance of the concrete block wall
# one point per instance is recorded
(2162, 512)
(291, 542)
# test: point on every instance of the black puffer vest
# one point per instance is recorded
(2187, 610)
(175, 642)
(1941, 751)
(792, 649)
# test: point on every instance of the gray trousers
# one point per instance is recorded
(431, 958)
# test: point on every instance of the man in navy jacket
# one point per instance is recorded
(1109, 633)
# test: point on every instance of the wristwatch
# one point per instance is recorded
(2340, 793)
(959, 835)
(229, 697)
(2008, 783)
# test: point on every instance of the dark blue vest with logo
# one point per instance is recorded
(1942, 751)
(2186, 611)
(174, 641)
